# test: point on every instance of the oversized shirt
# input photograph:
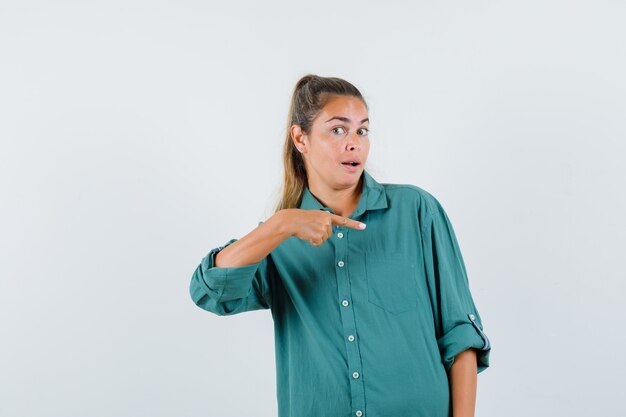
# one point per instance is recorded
(368, 323)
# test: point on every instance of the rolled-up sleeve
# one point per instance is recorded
(458, 324)
(231, 290)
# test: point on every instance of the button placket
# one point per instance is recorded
(344, 293)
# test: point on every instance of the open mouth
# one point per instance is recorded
(350, 163)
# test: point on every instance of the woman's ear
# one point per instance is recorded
(298, 137)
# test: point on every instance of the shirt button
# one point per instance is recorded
(345, 303)
(351, 338)
(340, 263)
(472, 317)
(339, 235)
(358, 413)
(355, 375)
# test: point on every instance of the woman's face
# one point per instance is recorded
(339, 134)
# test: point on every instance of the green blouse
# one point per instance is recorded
(368, 323)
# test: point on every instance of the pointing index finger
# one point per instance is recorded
(344, 221)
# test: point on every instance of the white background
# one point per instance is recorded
(138, 135)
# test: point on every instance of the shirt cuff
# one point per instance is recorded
(226, 283)
(463, 336)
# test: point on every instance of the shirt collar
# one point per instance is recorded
(373, 197)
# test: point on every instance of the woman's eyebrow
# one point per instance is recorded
(345, 119)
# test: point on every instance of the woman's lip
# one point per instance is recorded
(350, 167)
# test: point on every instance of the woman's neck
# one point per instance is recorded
(343, 202)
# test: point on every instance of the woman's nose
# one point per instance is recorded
(354, 142)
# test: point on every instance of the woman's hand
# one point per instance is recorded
(315, 226)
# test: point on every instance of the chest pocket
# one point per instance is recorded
(391, 282)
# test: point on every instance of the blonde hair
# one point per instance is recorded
(309, 96)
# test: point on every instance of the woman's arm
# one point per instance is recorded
(463, 381)
(237, 277)
(256, 245)
(314, 226)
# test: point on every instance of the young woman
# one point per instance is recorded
(367, 287)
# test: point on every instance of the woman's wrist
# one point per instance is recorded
(280, 222)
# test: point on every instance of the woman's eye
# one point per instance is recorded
(339, 130)
(364, 131)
